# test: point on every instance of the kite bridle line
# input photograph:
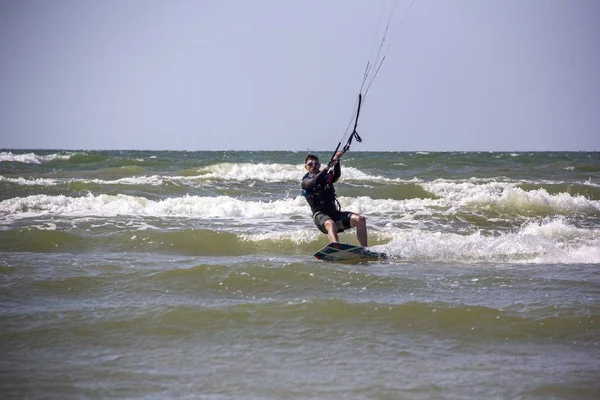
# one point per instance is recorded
(371, 71)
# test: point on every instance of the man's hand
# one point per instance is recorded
(335, 159)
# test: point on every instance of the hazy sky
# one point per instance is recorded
(502, 75)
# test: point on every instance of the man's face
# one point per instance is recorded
(312, 165)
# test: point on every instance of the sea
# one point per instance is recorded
(190, 275)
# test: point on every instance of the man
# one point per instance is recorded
(317, 187)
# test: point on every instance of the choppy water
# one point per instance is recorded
(158, 275)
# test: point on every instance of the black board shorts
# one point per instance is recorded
(342, 220)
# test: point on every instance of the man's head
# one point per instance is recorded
(311, 163)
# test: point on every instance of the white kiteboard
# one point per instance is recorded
(347, 252)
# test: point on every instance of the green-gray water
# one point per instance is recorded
(152, 275)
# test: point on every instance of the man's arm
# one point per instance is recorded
(337, 171)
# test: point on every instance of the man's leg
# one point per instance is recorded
(332, 234)
(360, 223)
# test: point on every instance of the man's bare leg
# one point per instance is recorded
(360, 223)
(332, 234)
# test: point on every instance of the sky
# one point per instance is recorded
(461, 75)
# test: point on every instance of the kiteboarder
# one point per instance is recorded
(317, 188)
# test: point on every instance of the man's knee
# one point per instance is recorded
(330, 226)
(358, 220)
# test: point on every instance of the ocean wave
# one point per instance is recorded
(39, 240)
(222, 172)
(297, 237)
(454, 199)
(32, 158)
(198, 206)
(132, 171)
(152, 180)
(462, 322)
(508, 198)
(192, 242)
(113, 205)
(30, 181)
(275, 173)
(251, 172)
(551, 241)
(195, 206)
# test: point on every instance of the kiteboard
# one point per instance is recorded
(347, 252)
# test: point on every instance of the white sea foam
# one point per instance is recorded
(552, 241)
(514, 200)
(558, 228)
(31, 158)
(507, 197)
(30, 182)
(252, 172)
(296, 237)
(108, 205)
(154, 180)
(277, 173)
(201, 207)
(367, 205)
(45, 227)
(590, 183)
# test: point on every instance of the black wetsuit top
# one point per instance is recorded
(319, 191)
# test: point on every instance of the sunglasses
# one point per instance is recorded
(310, 164)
